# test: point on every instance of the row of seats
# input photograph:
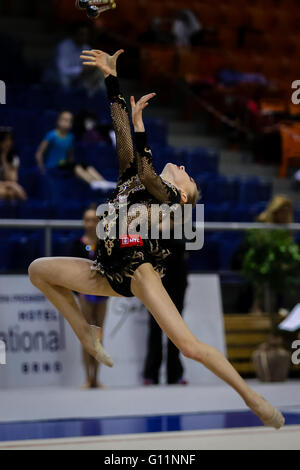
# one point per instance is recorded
(41, 97)
(187, 62)
(72, 209)
(58, 185)
(18, 250)
(30, 125)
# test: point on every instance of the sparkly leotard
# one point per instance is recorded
(139, 184)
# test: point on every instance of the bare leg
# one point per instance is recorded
(87, 310)
(147, 286)
(84, 175)
(57, 278)
(99, 316)
(12, 191)
(95, 315)
(3, 191)
(95, 175)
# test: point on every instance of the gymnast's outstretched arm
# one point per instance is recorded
(119, 110)
(160, 189)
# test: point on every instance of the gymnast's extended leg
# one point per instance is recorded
(57, 278)
(147, 286)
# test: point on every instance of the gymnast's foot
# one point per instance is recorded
(95, 348)
(86, 386)
(269, 415)
(91, 385)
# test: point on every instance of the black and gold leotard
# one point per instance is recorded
(138, 184)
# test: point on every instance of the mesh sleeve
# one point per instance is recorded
(155, 185)
(120, 117)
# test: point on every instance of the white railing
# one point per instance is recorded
(49, 225)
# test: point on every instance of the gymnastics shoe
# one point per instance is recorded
(276, 419)
(101, 355)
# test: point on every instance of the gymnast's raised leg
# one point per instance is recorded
(147, 286)
(57, 278)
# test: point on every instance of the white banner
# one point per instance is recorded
(41, 348)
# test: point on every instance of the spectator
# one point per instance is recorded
(186, 27)
(9, 165)
(71, 72)
(279, 211)
(56, 152)
(87, 129)
(93, 307)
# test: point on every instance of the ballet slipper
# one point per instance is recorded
(276, 419)
(102, 386)
(86, 386)
(101, 355)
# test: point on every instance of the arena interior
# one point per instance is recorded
(227, 109)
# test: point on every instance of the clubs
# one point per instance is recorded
(93, 8)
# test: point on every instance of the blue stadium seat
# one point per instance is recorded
(23, 249)
(8, 210)
(249, 191)
(35, 184)
(228, 244)
(200, 160)
(70, 211)
(157, 130)
(62, 245)
(218, 212)
(207, 259)
(37, 209)
(240, 213)
(27, 156)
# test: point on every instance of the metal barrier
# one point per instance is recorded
(49, 225)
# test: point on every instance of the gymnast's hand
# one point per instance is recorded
(105, 62)
(137, 111)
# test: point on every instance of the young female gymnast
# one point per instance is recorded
(135, 270)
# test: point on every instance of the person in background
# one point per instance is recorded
(175, 283)
(87, 129)
(10, 189)
(56, 152)
(93, 307)
(186, 27)
(280, 210)
(71, 72)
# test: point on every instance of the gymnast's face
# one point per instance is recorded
(180, 178)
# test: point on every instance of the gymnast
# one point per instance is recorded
(135, 268)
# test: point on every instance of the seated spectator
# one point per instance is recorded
(68, 69)
(279, 211)
(57, 152)
(87, 129)
(186, 27)
(9, 165)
